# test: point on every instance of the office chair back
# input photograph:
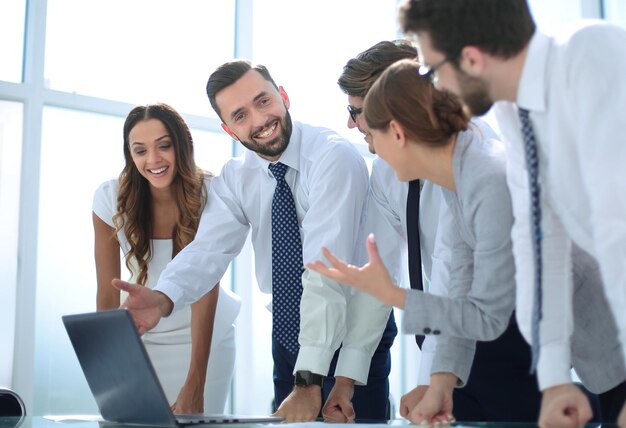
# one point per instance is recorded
(11, 403)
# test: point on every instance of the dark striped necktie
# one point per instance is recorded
(413, 241)
(532, 166)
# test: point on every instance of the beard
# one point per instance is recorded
(474, 93)
(276, 146)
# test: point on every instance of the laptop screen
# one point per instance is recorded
(121, 377)
(117, 368)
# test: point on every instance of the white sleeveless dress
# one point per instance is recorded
(169, 343)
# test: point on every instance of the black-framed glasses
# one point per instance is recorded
(430, 71)
(354, 112)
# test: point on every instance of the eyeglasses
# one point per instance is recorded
(354, 112)
(430, 71)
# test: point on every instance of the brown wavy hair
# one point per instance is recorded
(134, 215)
(427, 115)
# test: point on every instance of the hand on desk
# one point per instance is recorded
(338, 407)
(302, 405)
(190, 399)
(372, 278)
(621, 420)
(412, 399)
(435, 407)
(145, 305)
(564, 406)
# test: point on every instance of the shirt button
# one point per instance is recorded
(436, 332)
(427, 330)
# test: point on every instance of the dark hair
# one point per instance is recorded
(428, 116)
(134, 207)
(499, 27)
(227, 74)
(360, 73)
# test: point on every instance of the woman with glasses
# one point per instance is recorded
(150, 213)
(425, 134)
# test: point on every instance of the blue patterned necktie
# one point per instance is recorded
(532, 166)
(413, 241)
(287, 267)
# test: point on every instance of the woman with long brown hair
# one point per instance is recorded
(150, 213)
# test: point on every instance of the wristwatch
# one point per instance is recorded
(305, 378)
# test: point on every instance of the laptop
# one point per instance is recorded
(121, 377)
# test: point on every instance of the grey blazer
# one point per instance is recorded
(595, 348)
(481, 290)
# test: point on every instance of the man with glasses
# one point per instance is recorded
(562, 99)
(430, 72)
(494, 383)
(354, 112)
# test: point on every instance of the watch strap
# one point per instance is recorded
(306, 378)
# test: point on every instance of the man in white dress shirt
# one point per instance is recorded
(254, 111)
(387, 217)
(574, 87)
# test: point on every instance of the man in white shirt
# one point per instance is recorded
(573, 87)
(387, 216)
(254, 111)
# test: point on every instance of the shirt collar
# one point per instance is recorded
(531, 93)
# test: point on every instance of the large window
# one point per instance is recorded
(140, 50)
(614, 11)
(10, 169)
(75, 159)
(11, 29)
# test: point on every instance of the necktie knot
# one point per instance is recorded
(278, 170)
(523, 113)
